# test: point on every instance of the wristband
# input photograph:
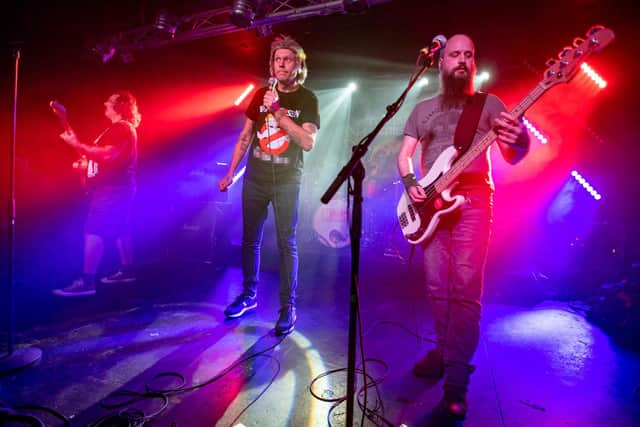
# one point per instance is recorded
(409, 180)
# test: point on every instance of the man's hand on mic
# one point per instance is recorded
(271, 101)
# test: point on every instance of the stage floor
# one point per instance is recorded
(536, 365)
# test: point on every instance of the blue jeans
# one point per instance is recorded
(454, 261)
(256, 197)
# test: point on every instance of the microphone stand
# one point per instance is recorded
(15, 358)
(355, 169)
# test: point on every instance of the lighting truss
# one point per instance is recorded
(215, 22)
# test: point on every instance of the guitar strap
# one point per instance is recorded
(468, 122)
(466, 129)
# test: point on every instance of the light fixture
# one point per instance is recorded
(244, 94)
(105, 52)
(593, 74)
(585, 184)
(264, 30)
(356, 6)
(243, 12)
(166, 22)
(534, 130)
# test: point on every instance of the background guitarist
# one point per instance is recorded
(111, 179)
(454, 258)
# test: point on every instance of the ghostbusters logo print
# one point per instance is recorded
(271, 138)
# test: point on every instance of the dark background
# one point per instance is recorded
(512, 40)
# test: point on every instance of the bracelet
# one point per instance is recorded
(409, 180)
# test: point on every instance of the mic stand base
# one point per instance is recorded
(20, 358)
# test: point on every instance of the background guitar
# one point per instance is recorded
(80, 165)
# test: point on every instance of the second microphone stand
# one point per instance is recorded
(355, 169)
(16, 358)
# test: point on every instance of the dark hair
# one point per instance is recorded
(127, 106)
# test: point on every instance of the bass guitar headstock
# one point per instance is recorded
(563, 69)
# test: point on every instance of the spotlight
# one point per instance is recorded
(484, 76)
(423, 82)
(166, 22)
(352, 87)
(244, 94)
(355, 6)
(243, 12)
(585, 184)
(480, 79)
(105, 52)
(534, 130)
(264, 31)
(593, 74)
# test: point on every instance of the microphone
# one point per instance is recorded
(272, 87)
(272, 83)
(436, 45)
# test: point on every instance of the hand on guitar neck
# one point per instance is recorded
(69, 136)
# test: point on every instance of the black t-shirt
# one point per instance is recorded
(120, 170)
(272, 154)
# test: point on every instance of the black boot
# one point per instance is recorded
(453, 403)
(286, 320)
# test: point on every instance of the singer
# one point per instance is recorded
(282, 122)
(454, 257)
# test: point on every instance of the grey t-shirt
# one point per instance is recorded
(434, 125)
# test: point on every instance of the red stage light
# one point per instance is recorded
(244, 94)
(589, 71)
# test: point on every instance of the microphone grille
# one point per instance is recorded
(272, 81)
(441, 39)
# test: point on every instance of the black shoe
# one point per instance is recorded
(454, 405)
(430, 366)
(78, 288)
(240, 306)
(287, 320)
(119, 277)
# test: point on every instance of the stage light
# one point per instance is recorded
(352, 87)
(243, 13)
(166, 22)
(126, 57)
(264, 31)
(589, 71)
(105, 52)
(585, 184)
(355, 6)
(423, 82)
(238, 175)
(543, 139)
(480, 79)
(244, 94)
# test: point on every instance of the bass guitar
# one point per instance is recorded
(418, 221)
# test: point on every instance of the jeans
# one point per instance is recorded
(454, 261)
(256, 197)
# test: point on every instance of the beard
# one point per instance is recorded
(455, 88)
